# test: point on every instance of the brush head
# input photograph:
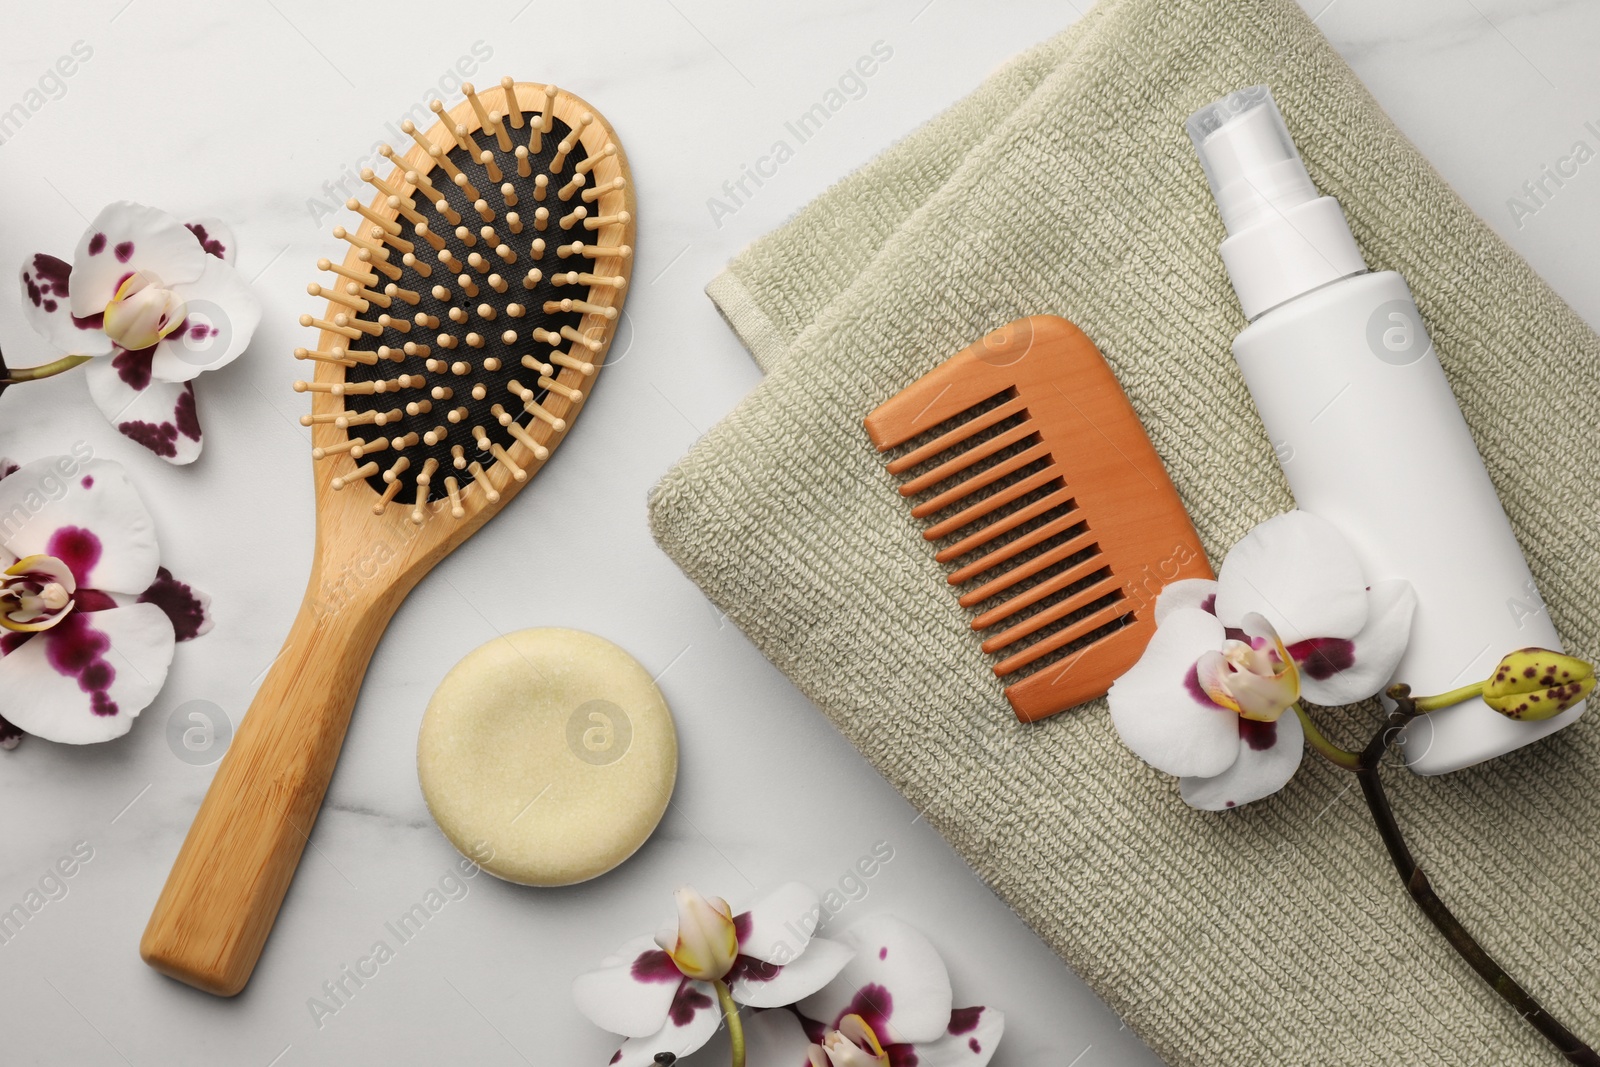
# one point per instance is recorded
(1048, 503)
(480, 293)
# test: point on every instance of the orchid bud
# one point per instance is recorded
(707, 942)
(1536, 683)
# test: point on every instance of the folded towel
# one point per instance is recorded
(1274, 934)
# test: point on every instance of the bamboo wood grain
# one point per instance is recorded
(220, 901)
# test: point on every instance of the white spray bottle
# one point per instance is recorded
(1367, 429)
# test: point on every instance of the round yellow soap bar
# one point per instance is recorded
(547, 756)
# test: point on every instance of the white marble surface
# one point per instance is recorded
(244, 114)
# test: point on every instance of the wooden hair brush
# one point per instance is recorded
(1044, 494)
(463, 332)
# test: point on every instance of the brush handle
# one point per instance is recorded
(220, 900)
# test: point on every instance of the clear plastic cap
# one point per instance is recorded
(1252, 165)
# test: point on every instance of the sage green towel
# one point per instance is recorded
(1276, 934)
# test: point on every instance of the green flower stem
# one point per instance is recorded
(45, 370)
(1327, 749)
(1421, 890)
(730, 1012)
(1444, 700)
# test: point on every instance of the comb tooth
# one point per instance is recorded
(478, 263)
(422, 269)
(532, 279)
(424, 185)
(388, 322)
(1028, 569)
(500, 285)
(466, 186)
(1054, 613)
(361, 242)
(540, 185)
(362, 448)
(973, 512)
(318, 420)
(589, 164)
(592, 344)
(453, 487)
(569, 190)
(533, 364)
(399, 244)
(577, 215)
(524, 168)
(361, 473)
(332, 327)
(437, 107)
(409, 128)
(984, 478)
(513, 109)
(578, 248)
(1061, 638)
(945, 441)
(367, 418)
(1058, 525)
(950, 467)
(988, 533)
(450, 214)
(1043, 590)
(485, 212)
(514, 224)
(541, 219)
(394, 291)
(465, 139)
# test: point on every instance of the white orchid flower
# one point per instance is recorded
(157, 302)
(1290, 615)
(88, 616)
(659, 992)
(890, 1006)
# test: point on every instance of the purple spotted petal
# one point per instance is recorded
(895, 981)
(46, 304)
(85, 513)
(691, 1020)
(1335, 671)
(221, 315)
(186, 606)
(1268, 755)
(632, 990)
(767, 985)
(215, 237)
(1159, 710)
(85, 680)
(777, 927)
(159, 415)
(1186, 593)
(970, 1040)
(127, 237)
(1299, 572)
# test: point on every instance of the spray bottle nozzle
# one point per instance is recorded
(1252, 165)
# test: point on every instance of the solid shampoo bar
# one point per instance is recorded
(547, 756)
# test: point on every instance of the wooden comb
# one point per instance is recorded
(463, 332)
(1044, 494)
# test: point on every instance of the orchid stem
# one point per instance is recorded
(44, 370)
(1421, 890)
(730, 1012)
(1327, 749)
(1444, 700)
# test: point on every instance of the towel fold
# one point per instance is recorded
(1278, 933)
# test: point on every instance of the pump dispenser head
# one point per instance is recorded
(1284, 237)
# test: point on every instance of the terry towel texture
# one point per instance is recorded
(1276, 934)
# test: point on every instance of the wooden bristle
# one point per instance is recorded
(450, 347)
